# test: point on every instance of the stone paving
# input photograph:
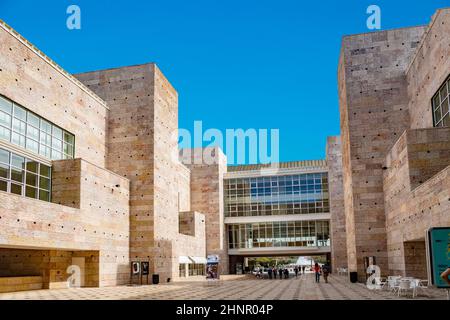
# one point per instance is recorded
(301, 288)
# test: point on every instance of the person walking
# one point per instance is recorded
(317, 272)
(286, 273)
(280, 273)
(326, 272)
(275, 271)
(269, 272)
(296, 271)
(303, 268)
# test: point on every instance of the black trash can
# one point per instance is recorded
(353, 277)
(155, 279)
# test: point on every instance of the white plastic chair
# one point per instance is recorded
(404, 285)
(414, 285)
(392, 283)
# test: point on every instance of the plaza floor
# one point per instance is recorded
(301, 288)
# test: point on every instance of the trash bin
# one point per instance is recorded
(353, 277)
(155, 279)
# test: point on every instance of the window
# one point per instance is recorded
(277, 195)
(196, 269)
(182, 270)
(24, 177)
(27, 130)
(440, 103)
(279, 234)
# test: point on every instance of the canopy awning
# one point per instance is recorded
(184, 259)
(198, 260)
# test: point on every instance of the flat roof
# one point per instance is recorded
(282, 165)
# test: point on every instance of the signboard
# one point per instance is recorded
(212, 267)
(135, 267)
(145, 267)
(438, 255)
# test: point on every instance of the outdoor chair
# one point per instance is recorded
(392, 284)
(404, 285)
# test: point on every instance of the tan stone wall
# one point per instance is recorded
(417, 193)
(337, 211)
(208, 166)
(428, 70)
(373, 90)
(29, 79)
(100, 224)
(142, 146)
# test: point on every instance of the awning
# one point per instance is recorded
(198, 260)
(184, 259)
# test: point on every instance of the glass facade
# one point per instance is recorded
(279, 234)
(23, 176)
(27, 130)
(277, 195)
(441, 102)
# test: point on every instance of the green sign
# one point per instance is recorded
(439, 242)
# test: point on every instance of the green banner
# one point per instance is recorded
(439, 239)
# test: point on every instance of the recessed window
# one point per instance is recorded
(440, 103)
(24, 177)
(27, 130)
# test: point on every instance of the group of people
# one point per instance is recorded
(281, 272)
(318, 271)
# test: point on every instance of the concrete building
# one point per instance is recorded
(394, 106)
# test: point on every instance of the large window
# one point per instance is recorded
(196, 269)
(27, 130)
(277, 195)
(23, 176)
(279, 234)
(441, 102)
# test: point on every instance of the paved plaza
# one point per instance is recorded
(301, 288)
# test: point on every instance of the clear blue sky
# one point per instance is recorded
(235, 64)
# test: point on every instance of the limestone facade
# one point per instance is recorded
(395, 162)
(123, 197)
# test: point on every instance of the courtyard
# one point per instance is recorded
(243, 288)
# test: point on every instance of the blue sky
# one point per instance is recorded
(235, 64)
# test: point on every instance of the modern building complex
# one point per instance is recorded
(91, 175)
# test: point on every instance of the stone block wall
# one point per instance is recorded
(99, 224)
(374, 113)
(429, 68)
(208, 166)
(142, 146)
(337, 211)
(416, 185)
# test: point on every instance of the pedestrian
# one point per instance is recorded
(269, 272)
(286, 273)
(317, 272)
(303, 268)
(275, 271)
(296, 271)
(326, 272)
(280, 273)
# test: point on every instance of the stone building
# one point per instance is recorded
(393, 96)
(88, 177)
